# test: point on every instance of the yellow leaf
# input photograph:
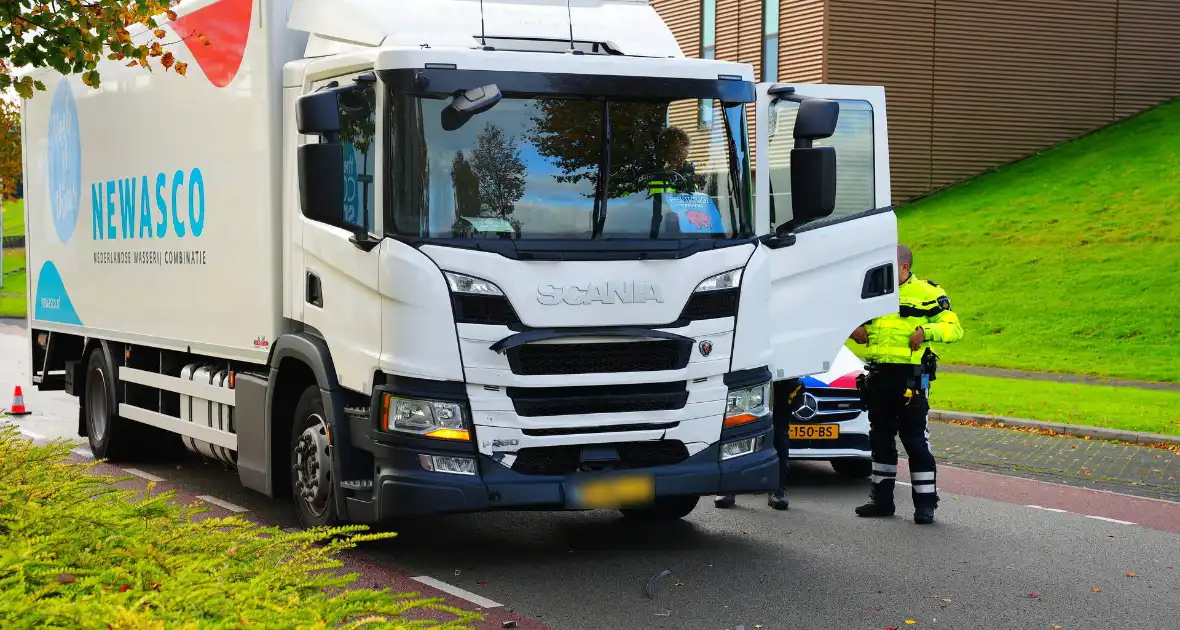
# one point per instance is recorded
(160, 33)
(181, 68)
(910, 622)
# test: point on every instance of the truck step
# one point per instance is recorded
(358, 484)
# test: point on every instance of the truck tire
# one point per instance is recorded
(852, 468)
(665, 509)
(111, 437)
(312, 483)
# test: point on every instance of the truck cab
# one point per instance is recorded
(531, 234)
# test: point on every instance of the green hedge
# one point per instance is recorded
(78, 552)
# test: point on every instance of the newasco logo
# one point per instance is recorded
(64, 166)
(143, 207)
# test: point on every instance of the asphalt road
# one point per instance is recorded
(1006, 552)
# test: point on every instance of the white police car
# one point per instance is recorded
(827, 422)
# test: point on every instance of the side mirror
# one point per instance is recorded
(813, 183)
(468, 104)
(318, 113)
(816, 119)
(321, 183)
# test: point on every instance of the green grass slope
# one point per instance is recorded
(1068, 261)
(13, 219)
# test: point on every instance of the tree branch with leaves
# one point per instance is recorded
(72, 37)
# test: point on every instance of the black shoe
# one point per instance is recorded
(724, 502)
(778, 500)
(873, 509)
(924, 515)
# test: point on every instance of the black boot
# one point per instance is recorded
(924, 514)
(873, 509)
(778, 500)
(724, 502)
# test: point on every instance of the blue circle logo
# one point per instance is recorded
(65, 161)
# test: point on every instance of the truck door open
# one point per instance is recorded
(830, 275)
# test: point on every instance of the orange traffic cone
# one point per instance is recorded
(18, 403)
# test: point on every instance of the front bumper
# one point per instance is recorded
(401, 487)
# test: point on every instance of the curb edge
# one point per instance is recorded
(1074, 430)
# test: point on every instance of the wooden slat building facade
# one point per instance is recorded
(970, 84)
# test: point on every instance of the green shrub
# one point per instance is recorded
(78, 552)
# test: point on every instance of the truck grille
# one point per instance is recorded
(561, 401)
(495, 310)
(832, 404)
(711, 305)
(563, 460)
(598, 358)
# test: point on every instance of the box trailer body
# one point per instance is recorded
(391, 314)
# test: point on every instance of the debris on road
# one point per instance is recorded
(650, 588)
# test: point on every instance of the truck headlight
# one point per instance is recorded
(471, 285)
(731, 279)
(427, 418)
(747, 404)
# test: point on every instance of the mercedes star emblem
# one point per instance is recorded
(808, 408)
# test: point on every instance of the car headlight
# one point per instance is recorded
(731, 279)
(427, 418)
(747, 404)
(460, 283)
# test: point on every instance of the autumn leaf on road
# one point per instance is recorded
(1095, 590)
(1130, 575)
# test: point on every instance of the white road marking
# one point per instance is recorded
(143, 475)
(1048, 509)
(1097, 518)
(482, 602)
(1111, 520)
(903, 483)
(84, 452)
(30, 434)
(225, 504)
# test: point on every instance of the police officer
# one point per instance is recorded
(680, 175)
(900, 367)
(788, 393)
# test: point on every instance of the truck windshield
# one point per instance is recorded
(543, 168)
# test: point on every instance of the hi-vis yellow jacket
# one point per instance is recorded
(924, 305)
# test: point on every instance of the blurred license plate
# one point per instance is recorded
(814, 431)
(613, 492)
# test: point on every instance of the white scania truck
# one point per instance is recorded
(397, 258)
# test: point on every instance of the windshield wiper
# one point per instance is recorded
(735, 185)
(603, 174)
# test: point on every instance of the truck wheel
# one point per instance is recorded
(311, 462)
(853, 468)
(665, 509)
(109, 435)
